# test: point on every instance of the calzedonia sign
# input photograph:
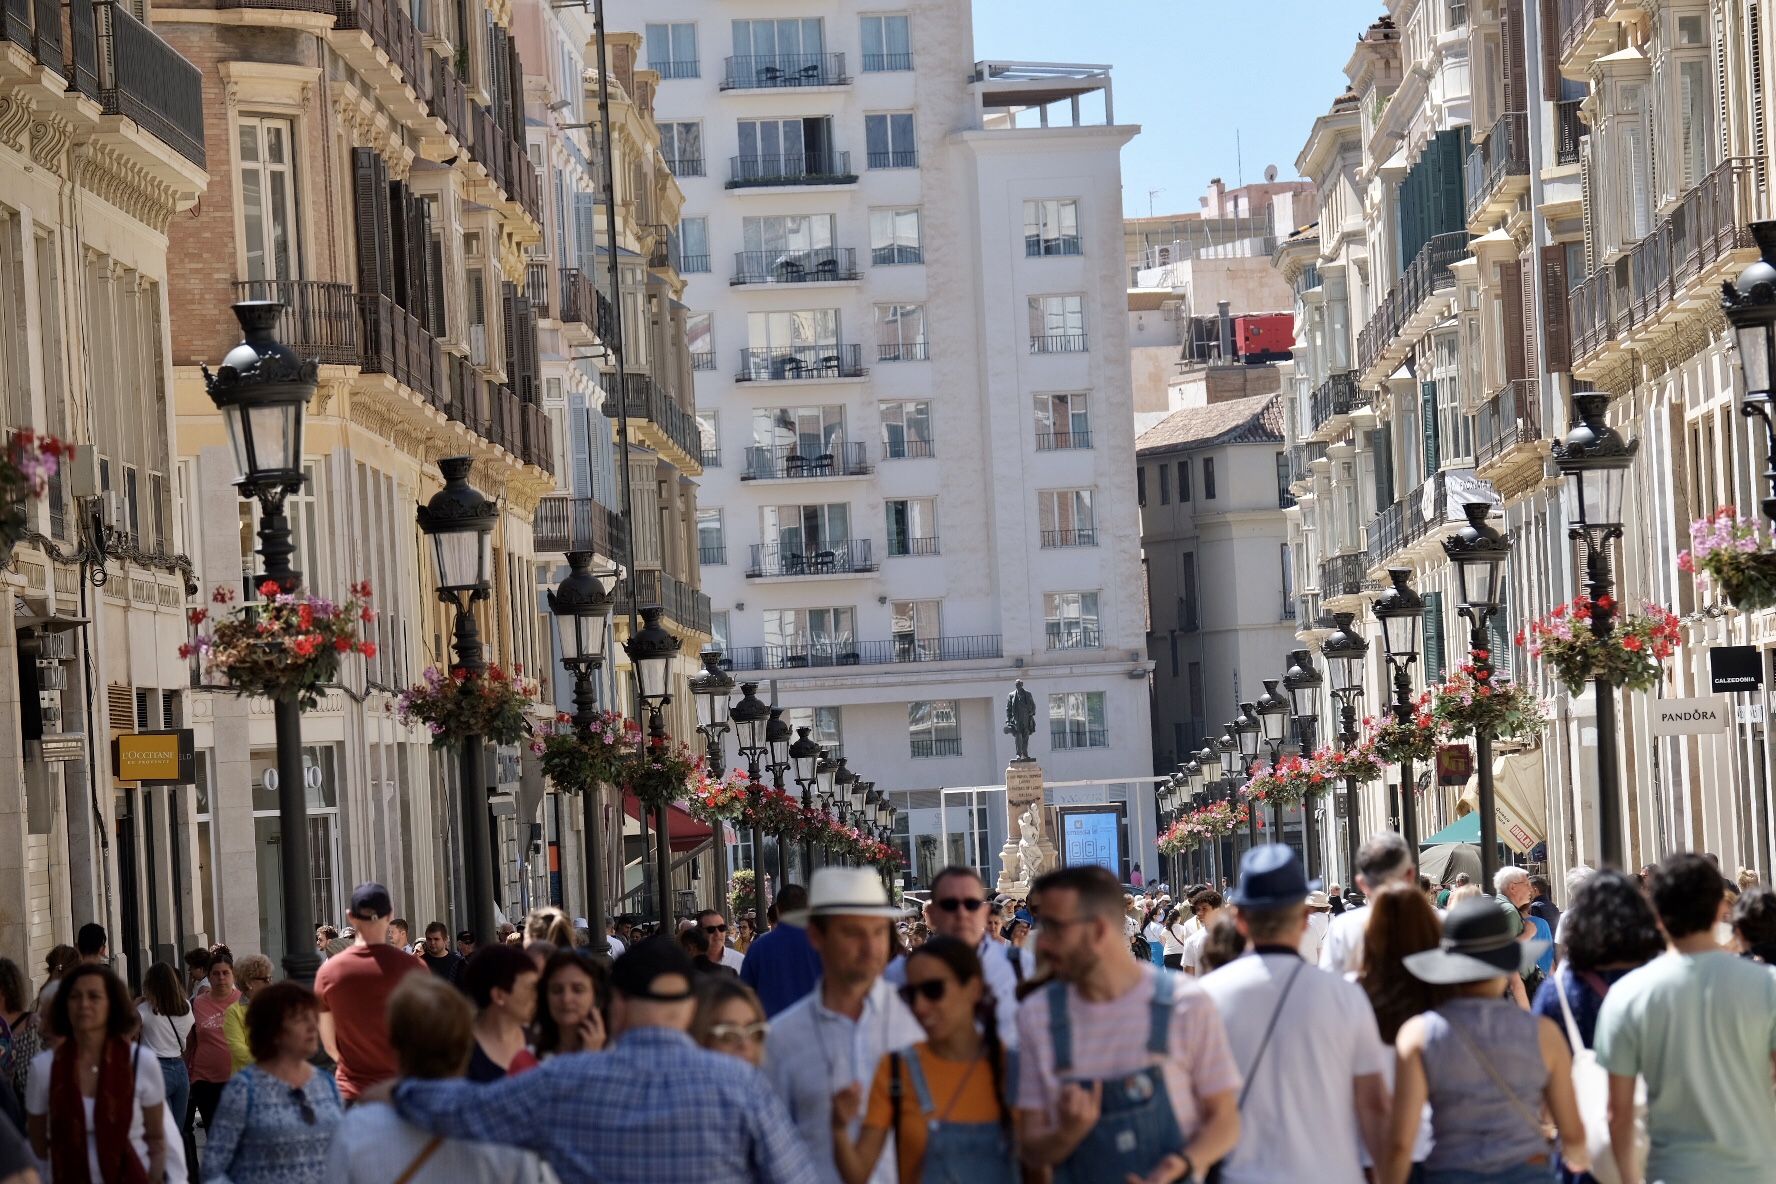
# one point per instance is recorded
(1691, 717)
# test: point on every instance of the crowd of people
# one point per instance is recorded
(1259, 1032)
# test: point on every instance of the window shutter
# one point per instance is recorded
(401, 245)
(1516, 71)
(440, 325)
(580, 441)
(586, 233)
(1556, 320)
(1754, 52)
(1433, 452)
(1526, 274)
(370, 187)
(1452, 194)
(1510, 295)
(509, 329)
(516, 74)
(1381, 446)
(1433, 637)
(1587, 203)
(1550, 34)
(1504, 663)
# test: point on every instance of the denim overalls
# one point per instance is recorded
(961, 1152)
(1136, 1127)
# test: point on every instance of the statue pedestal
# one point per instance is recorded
(1023, 791)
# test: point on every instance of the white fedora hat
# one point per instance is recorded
(846, 892)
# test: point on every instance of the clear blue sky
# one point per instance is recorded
(1190, 73)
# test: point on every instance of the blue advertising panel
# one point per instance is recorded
(1093, 834)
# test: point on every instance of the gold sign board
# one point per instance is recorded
(154, 758)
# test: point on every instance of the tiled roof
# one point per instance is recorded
(1257, 420)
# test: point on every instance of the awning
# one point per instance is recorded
(1465, 829)
(1519, 799)
(687, 833)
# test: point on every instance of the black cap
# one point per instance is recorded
(465, 935)
(634, 974)
(371, 900)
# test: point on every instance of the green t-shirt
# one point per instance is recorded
(1510, 911)
(1701, 1029)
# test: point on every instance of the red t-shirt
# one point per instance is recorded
(354, 985)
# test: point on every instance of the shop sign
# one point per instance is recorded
(1689, 717)
(155, 758)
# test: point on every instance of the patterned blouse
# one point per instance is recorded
(269, 1132)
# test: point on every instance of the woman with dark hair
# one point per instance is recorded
(501, 981)
(58, 962)
(573, 995)
(1754, 924)
(167, 1024)
(944, 1098)
(96, 1104)
(1609, 929)
(1402, 923)
(207, 1054)
(278, 1115)
(19, 1041)
(730, 1019)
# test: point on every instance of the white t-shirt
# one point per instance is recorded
(1176, 934)
(150, 1091)
(373, 1146)
(616, 945)
(732, 958)
(1342, 950)
(1193, 950)
(1155, 932)
(1314, 936)
(165, 1035)
(1325, 1036)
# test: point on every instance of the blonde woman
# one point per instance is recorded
(252, 974)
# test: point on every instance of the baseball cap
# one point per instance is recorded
(371, 899)
(634, 973)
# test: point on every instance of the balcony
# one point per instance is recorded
(682, 68)
(702, 359)
(1062, 441)
(564, 524)
(1691, 248)
(790, 462)
(1427, 510)
(536, 288)
(805, 363)
(1498, 169)
(920, 747)
(712, 457)
(36, 27)
(685, 166)
(392, 341)
(319, 320)
(1342, 575)
(797, 168)
(776, 71)
(909, 547)
(827, 652)
(815, 266)
(1301, 458)
(1083, 536)
(661, 424)
(1569, 129)
(906, 158)
(1387, 534)
(1073, 635)
(1379, 345)
(449, 102)
(1310, 616)
(770, 560)
(1585, 33)
(684, 605)
(1064, 738)
(908, 448)
(140, 76)
(664, 252)
(886, 63)
(579, 299)
(1512, 417)
(391, 45)
(712, 555)
(1057, 343)
(1335, 399)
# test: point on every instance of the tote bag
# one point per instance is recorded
(1591, 1088)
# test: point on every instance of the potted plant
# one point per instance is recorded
(284, 646)
(1629, 655)
(1286, 783)
(26, 466)
(1357, 763)
(1472, 700)
(1415, 739)
(660, 775)
(578, 760)
(1728, 551)
(452, 705)
(715, 800)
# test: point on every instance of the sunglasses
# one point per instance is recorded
(932, 989)
(301, 1100)
(752, 1033)
(715, 929)
(951, 904)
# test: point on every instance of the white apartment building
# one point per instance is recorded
(907, 317)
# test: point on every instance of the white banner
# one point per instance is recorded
(1691, 717)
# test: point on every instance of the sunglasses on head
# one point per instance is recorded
(751, 1033)
(932, 989)
(951, 904)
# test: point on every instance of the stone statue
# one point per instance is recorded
(1020, 719)
(1030, 859)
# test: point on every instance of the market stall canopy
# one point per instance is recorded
(1465, 829)
(1442, 863)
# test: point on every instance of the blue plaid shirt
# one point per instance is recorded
(653, 1109)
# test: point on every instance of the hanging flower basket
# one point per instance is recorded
(1358, 763)
(281, 647)
(577, 761)
(452, 705)
(1727, 551)
(774, 812)
(720, 799)
(741, 896)
(1219, 818)
(26, 466)
(1287, 783)
(1471, 701)
(660, 776)
(1630, 655)
(1415, 740)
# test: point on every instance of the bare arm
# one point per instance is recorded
(1518, 993)
(1219, 1133)
(1048, 1145)
(1410, 1092)
(1374, 1112)
(1562, 1103)
(154, 1134)
(1621, 1125)
(328, 1040)
(855, 1160)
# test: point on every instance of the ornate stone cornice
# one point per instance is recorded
(118, 179)
(50, 136)
(15, 119)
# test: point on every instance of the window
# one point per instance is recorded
(780, 433)
(1285, 499)
(810, 636)
(1076, 720)
(1187, 618)
(779, 38)
(906, 430)
(712, 541)
(802, 530)
(700, 342)
(268, 198)
(1184, 480)
(917, 626)
(1051, 227)
(1165, 483)
(672, 49)
(1065, 518)
(1062, 422)
(718, 630)
(1057, 324)
(775, 53)
(912, 526)
(934, 728)
(709, 431)
(1695, 103)
(682, 146)
(894, 237)
(1072, 620)
(1209, 478)
(693, 245)
(1140, 486)
(1458, 15)
(824, 724)
(886, 44)
(792, 344)
(1288, 584)
(785, 150)
(888, 138)
(900, 333)
(790, 248)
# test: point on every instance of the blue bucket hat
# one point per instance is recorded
(1271, 877)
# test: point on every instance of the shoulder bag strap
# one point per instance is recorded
(894, 1094)
(419, 1161)
(1572, 1026)
(1517, 1103)
(1270, 1029)
(1060, 1031)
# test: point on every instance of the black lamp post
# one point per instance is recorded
(1594, 459)
(1479, 553)
(582, 610)
(1248, 732)
(459, 521)
(262, 390)
(1227, 747)
(710, 689)
(1272, 710)
(651, 651)
(825, 774)
(1209, 761)
(1165, 799)
(752, 719)
(1345, 653)
(805, 755)
(777, 740)
(1302, 681)
(1190, 792)
(1400, 610)
(1749, 303)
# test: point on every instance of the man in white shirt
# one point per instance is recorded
(1319, 919)
(1383, 860)
(715, 929)
(1207, 906)
(1304, 1040)
(958, 909)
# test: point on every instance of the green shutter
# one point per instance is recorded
(1499, 635)
(1433, 452)
(1433, 637)
(1382, 448)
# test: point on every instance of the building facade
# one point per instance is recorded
(1519, 202)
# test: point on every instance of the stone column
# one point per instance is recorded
(1023, 792)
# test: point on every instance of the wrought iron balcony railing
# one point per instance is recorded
(1336, 396)
(908, 546)
(1427, 273)
(319, 320)
(1078, 736)
(712, 554)
(825, 651)
(1387, 534)
(794, 168)
(920, 747)
(815, 265)
(1084, 536)
(126, 66)
(1510, 417)
(841, 459)
(579, 298)
(564, 524)
(1062, 441)
(1569, 129)
(775, 559)
(772, 71)
(1503, 153)
(684, 605)
(36, 27)
(808, 362)
(1342, 575)
(645, 399)
(1073, 635)
(1057, 343)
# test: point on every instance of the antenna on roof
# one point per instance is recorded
(1239, 160)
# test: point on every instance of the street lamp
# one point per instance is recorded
(1272, 710)
(262, 390)
(582, 610)
(1749, 303)
(753, 720)
(804, 754)
(459, 521)
(1479, 553)
(1594, 459)
(844, 784)
(710, 690)
(1193, 780)
(1345, 652)
(651, 651)
(777, 742)
(1302, 681)
(1400, 610)
(1248, 731)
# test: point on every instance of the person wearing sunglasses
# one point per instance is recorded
(959, 908)
(730, 1019)
(716, 929)
(944, 1099)
(278, 1114)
